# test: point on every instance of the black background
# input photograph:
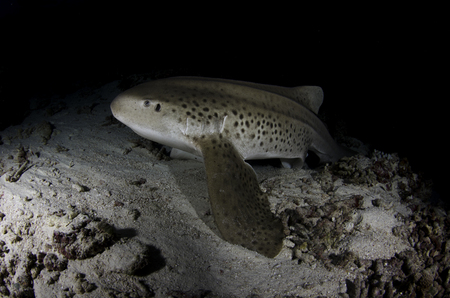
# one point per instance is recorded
(383, 69)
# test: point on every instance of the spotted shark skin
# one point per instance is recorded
(227, 122)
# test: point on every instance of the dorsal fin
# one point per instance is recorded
(309, 96)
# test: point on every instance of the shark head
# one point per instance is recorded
(151, 112)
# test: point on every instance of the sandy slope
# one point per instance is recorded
(96, 210)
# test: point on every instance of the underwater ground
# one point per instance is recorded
(89, 208)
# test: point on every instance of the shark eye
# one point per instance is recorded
(146, 103)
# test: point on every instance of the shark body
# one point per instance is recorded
(227, 122)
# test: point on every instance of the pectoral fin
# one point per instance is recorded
(241, 210)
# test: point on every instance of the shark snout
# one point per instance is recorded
(125, 109)
(115, 106)
(119, 107)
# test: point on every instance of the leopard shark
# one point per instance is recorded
(224, 123)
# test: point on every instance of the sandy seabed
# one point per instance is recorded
(89, 209)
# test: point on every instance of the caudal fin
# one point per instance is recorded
(241, 210)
